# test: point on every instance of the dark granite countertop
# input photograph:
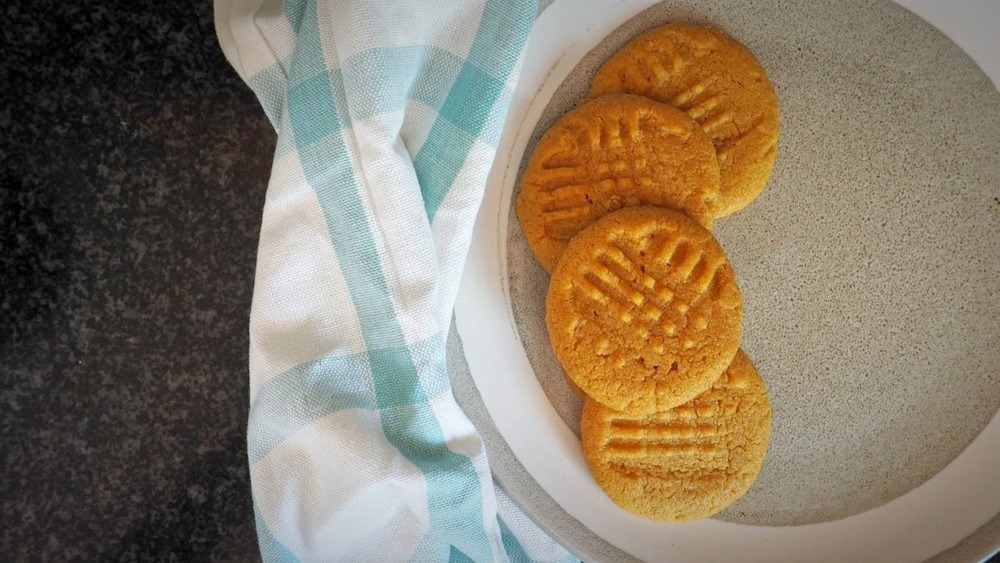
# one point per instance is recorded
(133, 166)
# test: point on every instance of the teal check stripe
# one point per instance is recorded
(314, 104)
(295, 398)
(316, 111)
(457, 127)
(511, 545)
(294, 11)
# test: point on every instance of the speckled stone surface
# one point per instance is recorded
(133, 165)
(869, 265)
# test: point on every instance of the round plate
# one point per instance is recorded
(869, 269)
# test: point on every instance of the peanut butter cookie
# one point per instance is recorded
(687, 462)
(643, 310)
(716, 81)
(608, 153)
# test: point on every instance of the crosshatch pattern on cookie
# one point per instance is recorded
(718, 83)
(643, 310)
(613, 152)
(687, 462)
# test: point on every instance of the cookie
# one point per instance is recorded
(687, 462)
(643, 310)
(608, 153)
(716, 81)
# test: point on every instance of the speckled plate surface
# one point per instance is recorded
(869, 267)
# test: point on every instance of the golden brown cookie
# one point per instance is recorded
(608, 153)
(643, 310)
(716, 81)
(688, 462)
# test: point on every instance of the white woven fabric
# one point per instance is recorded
(388, 114)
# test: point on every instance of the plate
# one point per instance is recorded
(869, 268)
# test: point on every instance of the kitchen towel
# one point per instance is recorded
(388, 114)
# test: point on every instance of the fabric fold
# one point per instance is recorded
(388, 115)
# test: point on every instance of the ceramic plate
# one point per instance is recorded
(869, 268)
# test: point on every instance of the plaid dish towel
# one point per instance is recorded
(388, 115)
